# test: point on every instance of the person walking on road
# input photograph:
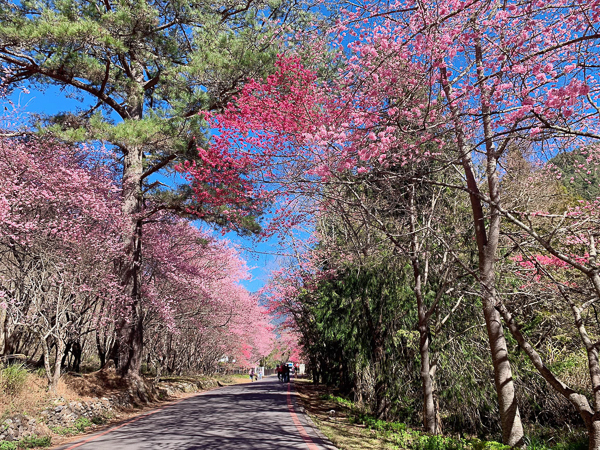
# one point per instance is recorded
(251, 374)
(279, 372)
(286, 373)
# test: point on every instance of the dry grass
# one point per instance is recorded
(33, 397)
(96, 384)
(344, 435)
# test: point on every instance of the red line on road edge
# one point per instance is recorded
(307, 440)
(79, 444)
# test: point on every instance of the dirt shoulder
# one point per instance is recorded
(336, 420)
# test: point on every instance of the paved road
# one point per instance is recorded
(259, 415)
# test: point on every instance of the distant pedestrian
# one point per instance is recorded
(279, 372)
(251, 374)
(286, 373)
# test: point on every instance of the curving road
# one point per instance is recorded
(260, 415)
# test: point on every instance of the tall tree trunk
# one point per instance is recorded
(46, 358)
(76, 351)
(512, 428)
(429, 410)
(510, 417)
(158, 365)
(101, 348)
(130, 331)
(487, 244)
(381, 404)
(63, 361)
(53, 376)
(429, 416)
(438, 418)
(60, 351)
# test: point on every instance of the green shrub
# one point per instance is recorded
(99, 420)
(34, 441)
(396, 426)
(79, 426)
(64, 431)
(342, 401)
(576, 444)
(426, 442)
(27, 442)
(576, 440)
(13, 379)
(82, 423)
(477, 444)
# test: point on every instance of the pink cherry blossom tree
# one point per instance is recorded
(59, 244)
(195, 309)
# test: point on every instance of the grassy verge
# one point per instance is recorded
(29, 442)
(79, 426)
(349, 428)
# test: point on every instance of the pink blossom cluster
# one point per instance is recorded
(59, 218)
(409, 75)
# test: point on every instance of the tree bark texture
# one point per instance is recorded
(593, 429)
(429, 410)
(487, 245)
(60, 351)
(2, 331)
(131, 328)
(512, 428)
(510, 417)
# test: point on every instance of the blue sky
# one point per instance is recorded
(261, 257)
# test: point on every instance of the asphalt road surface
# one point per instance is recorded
(261, 415)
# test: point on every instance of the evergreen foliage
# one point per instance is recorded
(583, 184)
